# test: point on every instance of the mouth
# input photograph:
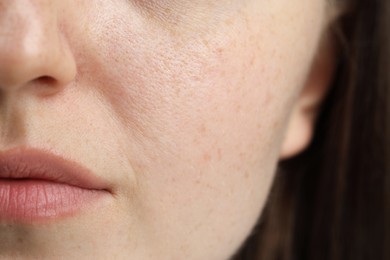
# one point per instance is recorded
(37, 186)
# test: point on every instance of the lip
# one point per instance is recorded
(36, 185)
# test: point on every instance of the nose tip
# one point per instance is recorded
(33, 50)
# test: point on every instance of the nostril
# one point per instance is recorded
(45, 85)
(46, 81)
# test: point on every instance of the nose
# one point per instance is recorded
(34, 53)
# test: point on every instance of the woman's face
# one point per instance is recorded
(179, 106)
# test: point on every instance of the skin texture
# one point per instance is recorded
(182, 107)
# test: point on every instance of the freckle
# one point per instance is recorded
(202, 129)
(246, 176)
(252, 61)
(219, 154)
(205, 42)
(196, 141)
(219, 51)
(206, 157)
(238, 108)
(229, 21)
(177, 91)
(228, 89)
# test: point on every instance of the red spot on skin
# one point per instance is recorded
(268, 98)
(196, 140)
(238, 108)
(252, 60)
(219, 154)
(206, 157)
(206, 43)
(275, 125)
(219, 51)
(229, 21)
(202, 129)
(177, 91)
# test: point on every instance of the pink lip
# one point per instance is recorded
(38, 186)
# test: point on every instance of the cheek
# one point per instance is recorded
(203, 141)
(200, 135)
(203, 117)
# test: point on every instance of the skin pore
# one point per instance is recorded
(181, 106)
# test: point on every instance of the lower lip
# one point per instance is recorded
(37, 200)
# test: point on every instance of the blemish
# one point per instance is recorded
(219, 51)
(206, 43)
(229, 21)
(206, 157)
(219, 154)
(202, 129)
(177, 91)
(196, 141)
(252, 60)
(238, 108)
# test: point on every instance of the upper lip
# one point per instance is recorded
(36, 164)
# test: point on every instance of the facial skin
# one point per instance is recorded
(182, 107)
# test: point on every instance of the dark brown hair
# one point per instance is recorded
(333, 201)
